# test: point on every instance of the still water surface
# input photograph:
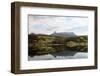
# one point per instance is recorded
(63, 52)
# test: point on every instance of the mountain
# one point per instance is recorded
(64, 34)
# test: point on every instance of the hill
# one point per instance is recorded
(64, 34)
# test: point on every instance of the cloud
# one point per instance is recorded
(49, 24)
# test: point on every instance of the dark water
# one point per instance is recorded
(57, 51)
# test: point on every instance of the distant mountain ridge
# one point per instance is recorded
(64, 34)
(60, 34)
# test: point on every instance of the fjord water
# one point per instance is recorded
(62, 52)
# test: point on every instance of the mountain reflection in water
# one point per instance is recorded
(61, 52)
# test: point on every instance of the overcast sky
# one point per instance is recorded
(50, 24)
